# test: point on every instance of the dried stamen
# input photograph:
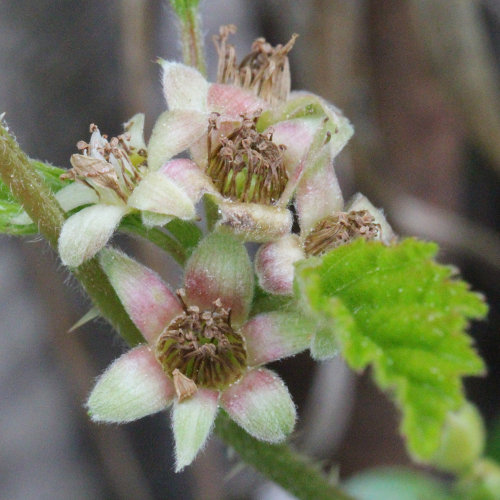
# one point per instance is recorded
(340, 228)
(246, 165)
(265, 71)
(106, 165)
(202, 346)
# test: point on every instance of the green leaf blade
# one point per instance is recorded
(396, 309)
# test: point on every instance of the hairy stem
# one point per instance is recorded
(279, 463)
(40, 204)
(191, 35)
(28, 187)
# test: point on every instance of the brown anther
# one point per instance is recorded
(202, 346)
(265, 71)
(339, 229)
(184, 386)
(247, 166)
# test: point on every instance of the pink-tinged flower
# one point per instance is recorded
(258, 138)
(202, 351)
(325, 223)
(112, 177)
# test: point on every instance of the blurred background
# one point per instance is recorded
(419, 79)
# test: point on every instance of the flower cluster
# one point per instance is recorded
(259, 153)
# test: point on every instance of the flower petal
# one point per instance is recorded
(135, 129)
(157, 193)
(318, 193)
(75, 195)
(147, 300)
(274, 264)
(174, 131)
(360, 202)
(275, 335)
(192, 422)
(297, 135)
(188, 176)
(233, 101)
(132, 387)
(220, 269)
(184, 87)
(261, 404)
(254, 222)
(87, 231)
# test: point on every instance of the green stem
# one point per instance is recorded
(40, 204)
(279, 463)
(27, 186)
(191, 36)
(156, 236)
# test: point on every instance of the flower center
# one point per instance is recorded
(202, 346)
(246, 165)
(265, 71)
(340, 228)
(107, 166)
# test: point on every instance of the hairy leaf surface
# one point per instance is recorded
(397, 310)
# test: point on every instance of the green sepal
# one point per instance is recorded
(396, 309)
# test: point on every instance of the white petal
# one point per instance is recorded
(189, 177)
(87, 231)
(184, 87)
(192, 422)
(174, 131)
(254, 222)
(75, 195)
(135, 128)
(132, 387)
(261, 404)
(361, 202)
(156, 193)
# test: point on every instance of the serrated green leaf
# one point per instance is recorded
(396, 309)
(10, 208)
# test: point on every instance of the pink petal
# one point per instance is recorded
(297, 136)
(147, 300)
(188, 176)
(261, 404)
(233, 101)
(220, 269)
(274, 264)
(275, 335)
(132, 387)
(318, 193)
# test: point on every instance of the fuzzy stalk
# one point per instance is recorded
(191, 35)
(293, 472)
(40, 204)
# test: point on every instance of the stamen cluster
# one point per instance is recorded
(340, 228)
(246, 165)
(202, 346)
(264, 71)
(106, 164)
